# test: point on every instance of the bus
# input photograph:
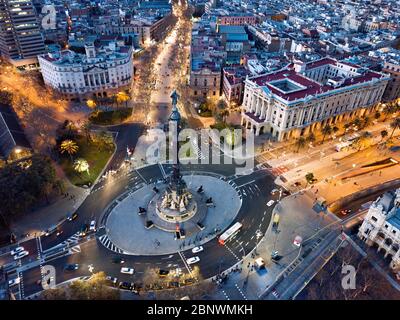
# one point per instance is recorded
(340, 146)
(229, 233)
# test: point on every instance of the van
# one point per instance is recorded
(259, 263)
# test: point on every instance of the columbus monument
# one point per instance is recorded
(175, 206)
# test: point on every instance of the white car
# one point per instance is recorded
(92, 225)
(297, 241)
(193, 260)
(21, 254)
(127, 270)
(270, 203)
(14, 282)
(197, 249)
(16, 250)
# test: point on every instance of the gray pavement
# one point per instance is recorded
(297, 218)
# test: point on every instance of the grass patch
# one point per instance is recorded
(110, 117)
(96, 153)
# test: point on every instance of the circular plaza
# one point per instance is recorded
(152, 220)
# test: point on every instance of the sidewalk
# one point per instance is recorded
(41, 219)
(297, 218)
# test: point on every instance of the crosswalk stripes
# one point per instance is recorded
(74, 239)
(105, 241)
(226, 296)
(21, 286)
(76, 249)
(240, 291)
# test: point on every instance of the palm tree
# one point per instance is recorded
(325, 131)
(335, 129)
(384, 134)
(363, 140)
(300, 143)
(357, 123)
(81, 165)
(69, 146)
(311, 137)
(86, 129)
(388, 110)
(365, 122)
(395, 125)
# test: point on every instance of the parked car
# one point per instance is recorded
(16, 250)
(197, 249)
(297, 241)
(72, 216)
(193, 260)
(345, 211)
(14, 282)
(127, 270)
(71, 267)
(118, 260)
(126, 285)
(270, 203)
(112, 280)
(92, 226)
(83, 231)
(21, 254)
(163, 273)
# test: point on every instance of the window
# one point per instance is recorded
(374, 219)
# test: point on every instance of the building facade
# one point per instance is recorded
(101, 72)
(20, 38)
(392, 67)
(233, 84)
(237, 20)
(303, 97)
(381, 227)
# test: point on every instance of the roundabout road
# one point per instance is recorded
(254, 215)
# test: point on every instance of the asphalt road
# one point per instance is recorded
(254, 215)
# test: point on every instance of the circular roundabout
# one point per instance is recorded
(155, 220)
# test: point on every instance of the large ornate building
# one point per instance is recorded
(381, 226)
(100, 72)
(302, 97)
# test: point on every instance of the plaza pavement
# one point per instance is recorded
(125, 228)
(297, 218)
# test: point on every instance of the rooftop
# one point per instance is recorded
(291, 85)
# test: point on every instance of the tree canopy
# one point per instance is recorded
(25, 184)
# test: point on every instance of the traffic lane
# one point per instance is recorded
(30, 279)
(32, 247)
(150, 173)
(6, 258)
(128, 136)
(214, 259)
(91, 209)
(94, 255)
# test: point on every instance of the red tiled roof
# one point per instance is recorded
(319, 63)
(312, 87)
